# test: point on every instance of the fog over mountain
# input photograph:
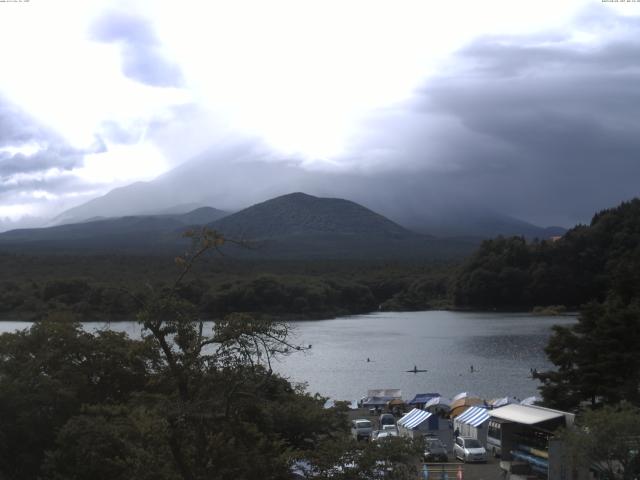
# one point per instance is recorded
(242, 174)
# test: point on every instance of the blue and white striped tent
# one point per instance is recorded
(474, 416)
(414, 419)
(472, 423)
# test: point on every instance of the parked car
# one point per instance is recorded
(469, 449)
(434, 450)
(382, 435)
(387, 419)
(392, 428)
(361, 428)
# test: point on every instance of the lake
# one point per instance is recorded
(502, 347)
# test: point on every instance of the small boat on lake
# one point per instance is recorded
(416, 370)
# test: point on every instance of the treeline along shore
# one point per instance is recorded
(502, 274)
(107, 286)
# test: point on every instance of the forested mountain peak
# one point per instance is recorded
(302, 214)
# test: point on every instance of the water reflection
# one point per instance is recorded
(502, 348)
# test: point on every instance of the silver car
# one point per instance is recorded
(469, 449)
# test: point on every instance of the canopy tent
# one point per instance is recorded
(461, 404)
(396, 402)
(376, 402)
(500, 402)
(474, 416)
(459, 396)
(423, 398)
(414, 419)
(379, 397)
(437, 402)
(385, 392)
(351, 404)
(530, 414)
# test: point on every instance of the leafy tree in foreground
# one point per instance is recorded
(607, 440)
(47, 373)
(189, 401)
(597, 359)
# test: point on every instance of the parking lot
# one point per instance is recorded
(471, 471)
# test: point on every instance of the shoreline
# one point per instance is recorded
(313, 318)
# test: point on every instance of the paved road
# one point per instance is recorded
(471, 471)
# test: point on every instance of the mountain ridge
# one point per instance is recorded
(221, 176)
(303, 214)
(292, 226)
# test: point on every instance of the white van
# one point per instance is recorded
(361, 428)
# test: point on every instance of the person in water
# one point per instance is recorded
(471, 368)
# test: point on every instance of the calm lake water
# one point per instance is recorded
(502, 347)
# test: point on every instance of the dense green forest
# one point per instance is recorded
(597, 360)
(582, 266)
(106, 287)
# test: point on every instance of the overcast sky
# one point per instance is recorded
(530, 108)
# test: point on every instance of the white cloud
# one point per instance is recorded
(123, 163)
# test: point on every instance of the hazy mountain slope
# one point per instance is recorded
(474, 221)
(229, 177)
(294, 226)
(235, 176)
(125, 234)
(200, 216)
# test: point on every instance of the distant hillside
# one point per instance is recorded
(583, 265)
(232, 176)
(301, 214)
(125, 234)
(456, 221)
(301, 226)
(199, 216)
(294, 226)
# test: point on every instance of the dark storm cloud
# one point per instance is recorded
(28, 150)
(538, 127)
(142, 58)
(17, 130)
(17, 189)
(16, 127)
(61, 157)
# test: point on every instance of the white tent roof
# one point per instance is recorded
(385, 392)
(499, 402)
(528, 414)
(473, 416)
(414, 418)
(436, 401)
